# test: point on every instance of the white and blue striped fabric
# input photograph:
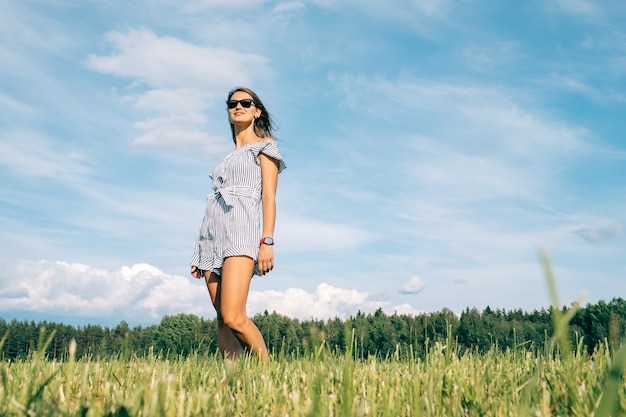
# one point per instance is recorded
(232, 221)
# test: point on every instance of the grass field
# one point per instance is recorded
(444, 383)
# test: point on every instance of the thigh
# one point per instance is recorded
(235, 283)
(213, 285)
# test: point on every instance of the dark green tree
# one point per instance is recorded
(178, 335)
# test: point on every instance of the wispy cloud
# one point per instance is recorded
(578, 7)
(467, 143)
(585, 88)
(492, 56)
(10, 105)
(32, 154)
(31, 29)
(407, 8)
(196, 5)
(164, 61)
(178, 81)
(180, 121)
(287, 10)
(608, 232)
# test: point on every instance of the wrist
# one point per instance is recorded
(267, 240)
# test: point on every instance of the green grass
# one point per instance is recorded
(513, 383)
(559, 380)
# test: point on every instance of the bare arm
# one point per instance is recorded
(269, 176)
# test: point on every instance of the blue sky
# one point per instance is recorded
(433, 147)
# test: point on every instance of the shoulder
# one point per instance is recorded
(261, 144)
(265, 144)
(268, 150)
(265, 141)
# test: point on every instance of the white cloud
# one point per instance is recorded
(325, 302)
(412, 286)
(138, 293)
(183, 81)
(163, 61)
(404, 309)
(143, 293)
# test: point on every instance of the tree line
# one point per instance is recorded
(376, 334)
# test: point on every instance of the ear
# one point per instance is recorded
(257, 113)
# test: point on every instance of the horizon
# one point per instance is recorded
(35, 318)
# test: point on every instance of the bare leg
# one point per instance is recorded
(234, 286)
(226, 340)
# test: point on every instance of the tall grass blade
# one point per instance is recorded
(347, 392)
(559, 321)
(612, 385)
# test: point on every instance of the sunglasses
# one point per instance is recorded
(245, 103)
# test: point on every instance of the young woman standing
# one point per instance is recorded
(235, 240)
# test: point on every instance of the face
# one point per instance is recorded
(241, 114)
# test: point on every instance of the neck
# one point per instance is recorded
(245, 136)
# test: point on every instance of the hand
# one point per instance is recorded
(197, 272)
(265, 262)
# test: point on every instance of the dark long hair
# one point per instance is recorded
(263, 124)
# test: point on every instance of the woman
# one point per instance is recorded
(232, 246)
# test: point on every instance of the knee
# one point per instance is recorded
(235, 322)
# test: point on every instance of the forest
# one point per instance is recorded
(376, 334)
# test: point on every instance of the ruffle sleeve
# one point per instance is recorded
(270, 149)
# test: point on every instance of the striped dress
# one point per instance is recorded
(232, 221)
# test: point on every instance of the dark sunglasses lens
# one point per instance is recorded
(245, 103)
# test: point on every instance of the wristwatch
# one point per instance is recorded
(267, 241)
